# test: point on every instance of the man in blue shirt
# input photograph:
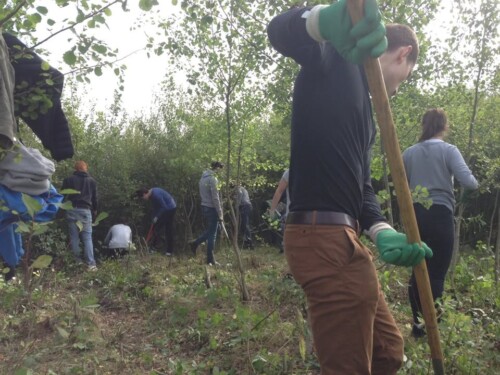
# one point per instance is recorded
(164, 208)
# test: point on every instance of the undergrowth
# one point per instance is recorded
(149, 314)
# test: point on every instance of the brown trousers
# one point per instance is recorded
(353, 330)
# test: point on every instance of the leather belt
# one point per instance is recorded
(321, 218)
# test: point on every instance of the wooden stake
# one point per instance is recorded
(391, 145)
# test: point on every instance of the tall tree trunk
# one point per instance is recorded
(497, 249)
(188, 207)
(245, 295)
(238, 182)
(477, 83)
(456, 244)
(492, 220)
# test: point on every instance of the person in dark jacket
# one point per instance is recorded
(331, 195)
(164, 208)
(84, 208)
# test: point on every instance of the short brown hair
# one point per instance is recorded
(216, 164)
(434, 121)
(401, 36)
(139, 193)
(81, 166)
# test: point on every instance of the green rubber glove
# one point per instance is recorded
(274, 215)
(395, 249)
(356, 43)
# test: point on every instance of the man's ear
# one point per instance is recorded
(404, 52)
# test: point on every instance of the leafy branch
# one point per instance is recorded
(101, 10)
(107, 63)
(13, 12)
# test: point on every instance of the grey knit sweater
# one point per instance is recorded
(433, 164)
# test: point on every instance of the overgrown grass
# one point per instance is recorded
(155, 315)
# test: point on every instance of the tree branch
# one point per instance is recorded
(13, 12)
(76, 23)
(110, 63)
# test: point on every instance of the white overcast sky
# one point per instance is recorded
(143, 74)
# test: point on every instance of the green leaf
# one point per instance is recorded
(43, 261)
(80, 16)
(23, 371)
(51, 22)
(98, 71)
(62, 332)
(302, 348)
(22, 227)
(40, 228)
(206, 20)
(259, 362)
(146, 5)
(42, 10)
(35, 18)
(82, 48)
(107, 12)
(79, 345)
(100, 19)
(65, 206)
(99, 48)
(69, 58)
(68, 191)
(99, 218)
(32, 205)
(89, 301)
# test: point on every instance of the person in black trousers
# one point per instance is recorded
(164, 208)
(432, 163)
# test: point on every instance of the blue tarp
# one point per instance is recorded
(13, 210)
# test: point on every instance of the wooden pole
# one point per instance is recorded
(391, 145)
(150, 234)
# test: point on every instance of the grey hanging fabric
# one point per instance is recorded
(7, 117)
(26, 170)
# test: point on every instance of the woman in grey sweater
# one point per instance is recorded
(433, 164)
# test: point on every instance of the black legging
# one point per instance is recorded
(166, 223)
(437, 231)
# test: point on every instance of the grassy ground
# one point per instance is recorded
(151, 314)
